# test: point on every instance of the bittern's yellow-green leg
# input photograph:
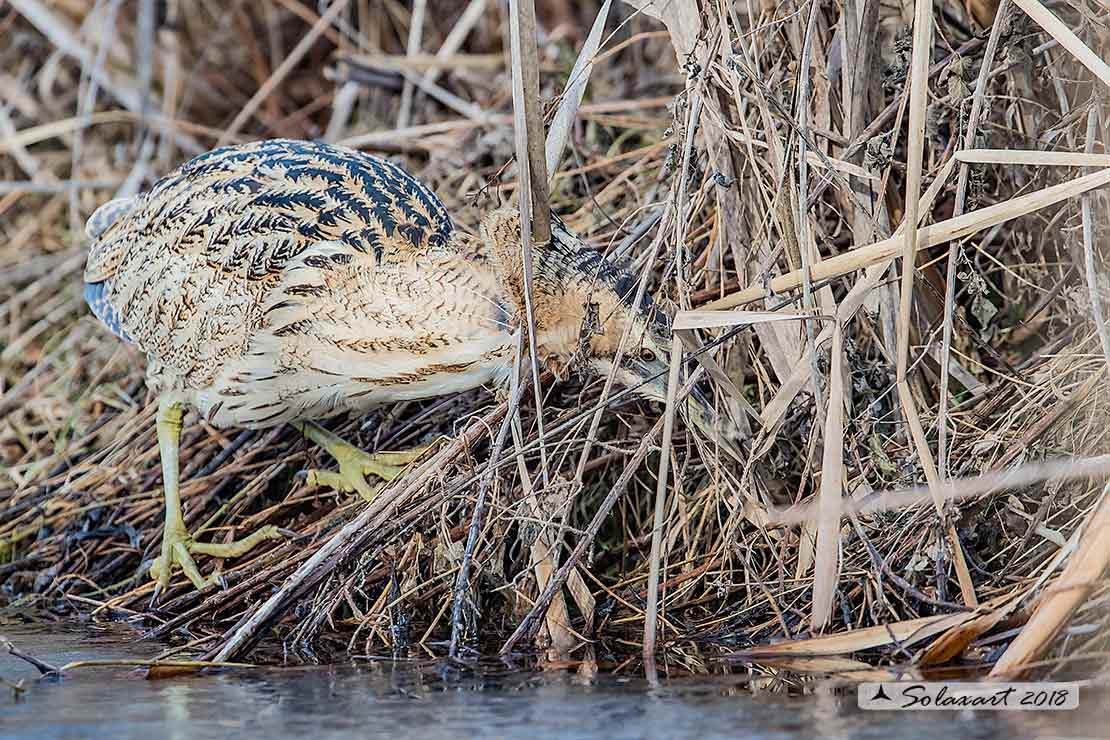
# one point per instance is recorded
(177, 544)
(354, 464)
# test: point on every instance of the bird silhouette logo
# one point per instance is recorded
(880, 694)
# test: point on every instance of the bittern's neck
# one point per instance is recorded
(577, 296)
(574, 289)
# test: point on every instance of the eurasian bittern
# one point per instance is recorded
(286, 281)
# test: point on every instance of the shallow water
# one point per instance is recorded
(410, 699)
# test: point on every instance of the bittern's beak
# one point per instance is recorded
(649, 379)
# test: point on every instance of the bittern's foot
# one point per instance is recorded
(178, 547)
(355, 464)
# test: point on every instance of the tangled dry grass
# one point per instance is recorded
(718, 152)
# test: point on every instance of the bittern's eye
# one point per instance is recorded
(647, 354)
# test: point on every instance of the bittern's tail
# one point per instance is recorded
(107, 215)
(97, 270)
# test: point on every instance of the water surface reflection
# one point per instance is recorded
(390, 699)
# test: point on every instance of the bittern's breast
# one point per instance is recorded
(284, 280)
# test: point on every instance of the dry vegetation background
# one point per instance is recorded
(732, 143)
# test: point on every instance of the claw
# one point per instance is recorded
(347, 481)
(156, 594)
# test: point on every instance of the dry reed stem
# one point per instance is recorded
(453, 42)
(1000, 19)
(826, 567)
(1090, 271)
(1033, 157)
(651, 613)
(416, 29)
(919, 93)
(854, 641)
(535, 212)
(1067, 38)
(806, 244)
(957, 489)
(927, 236)
(567, 112)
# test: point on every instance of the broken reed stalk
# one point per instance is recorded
(535, 211)
(651, 613)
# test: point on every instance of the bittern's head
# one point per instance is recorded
(583, 304)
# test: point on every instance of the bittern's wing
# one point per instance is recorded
(265, 269)
(218, 206)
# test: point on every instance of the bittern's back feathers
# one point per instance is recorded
(218, 203)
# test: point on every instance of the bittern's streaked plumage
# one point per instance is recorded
(286, 281)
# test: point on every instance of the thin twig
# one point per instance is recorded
(462, 580)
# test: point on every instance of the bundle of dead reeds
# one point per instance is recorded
(921, 451)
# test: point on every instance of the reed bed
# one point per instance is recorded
(919, 484)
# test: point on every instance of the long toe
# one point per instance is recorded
(356, 466)
(178, 548)
(351, 478)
